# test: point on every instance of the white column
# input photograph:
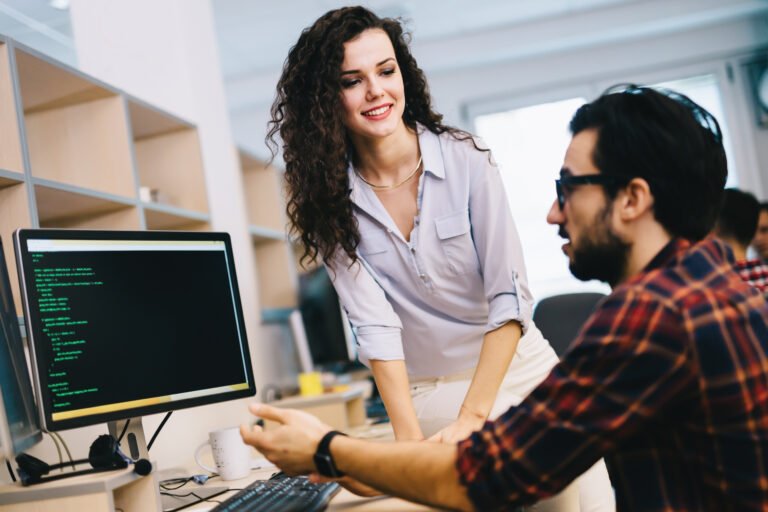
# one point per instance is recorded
(165, 53)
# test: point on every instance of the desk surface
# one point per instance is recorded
(344, 500)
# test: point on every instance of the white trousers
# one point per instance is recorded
(438, 400)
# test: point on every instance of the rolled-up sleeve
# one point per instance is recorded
(378, 329)
(498, 248)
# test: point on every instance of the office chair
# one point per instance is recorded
(560, 317)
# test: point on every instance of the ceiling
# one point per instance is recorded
(255, 36)
(37, 23)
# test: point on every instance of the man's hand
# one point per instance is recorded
(465, 424)
(292, 445)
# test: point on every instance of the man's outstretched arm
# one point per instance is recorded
(418, 471)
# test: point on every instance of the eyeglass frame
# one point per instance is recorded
(567, 180)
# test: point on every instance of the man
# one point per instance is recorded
(667, 379)
(736, 226)
(760, 243)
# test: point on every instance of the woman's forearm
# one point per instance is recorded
(497, 351)
(392, 382)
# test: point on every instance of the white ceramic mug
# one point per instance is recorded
(230, 454)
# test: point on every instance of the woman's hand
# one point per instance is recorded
(465, 424)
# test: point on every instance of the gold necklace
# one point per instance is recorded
(413, 173)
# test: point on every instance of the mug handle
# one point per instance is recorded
(199, 462)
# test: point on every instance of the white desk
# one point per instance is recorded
(99, 492)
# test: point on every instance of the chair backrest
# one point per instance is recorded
(560, 317)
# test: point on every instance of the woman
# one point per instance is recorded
(410, 217)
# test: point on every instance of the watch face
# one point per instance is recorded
(325, 465)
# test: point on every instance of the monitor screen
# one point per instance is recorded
(19, 424)
(330, 340)
(124, 324)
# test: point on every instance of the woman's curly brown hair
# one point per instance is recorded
(307, 113)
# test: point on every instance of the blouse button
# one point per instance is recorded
(413, 250)
(422, 276)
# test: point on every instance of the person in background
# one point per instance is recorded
(667, 379)
(736, 226)
(411, 218)
(760, 242)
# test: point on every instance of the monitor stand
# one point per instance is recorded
(133, 443)
(135, 446)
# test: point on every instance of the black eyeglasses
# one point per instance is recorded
(566, 181)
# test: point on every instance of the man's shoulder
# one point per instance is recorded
(700, 272)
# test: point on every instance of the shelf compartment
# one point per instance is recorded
(49, 86)
(77, 129)
(175, 219)
(14, 214)
(277, 278)
(263, 193)
(70, 208)
(10, 142)
(168, 158)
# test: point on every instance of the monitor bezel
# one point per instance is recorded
(24, 267)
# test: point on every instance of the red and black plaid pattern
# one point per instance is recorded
(668, 380)
(755, 272)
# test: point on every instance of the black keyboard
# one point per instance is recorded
(281, 493)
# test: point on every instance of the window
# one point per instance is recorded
(529, 144)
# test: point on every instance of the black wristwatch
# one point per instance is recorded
(323, 459)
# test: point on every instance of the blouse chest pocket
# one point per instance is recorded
(454, 232)
(374, 247)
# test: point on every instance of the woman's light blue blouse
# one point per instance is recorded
(431, 300)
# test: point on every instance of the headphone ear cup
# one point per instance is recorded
(104, 453)
(32, 466)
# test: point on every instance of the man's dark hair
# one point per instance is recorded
(738, 216)
(669, 141)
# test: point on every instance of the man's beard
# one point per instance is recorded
(601, 254)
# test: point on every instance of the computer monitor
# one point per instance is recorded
(329, 336)
(19, 424)
(123, 324)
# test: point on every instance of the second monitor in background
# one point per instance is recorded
(327, 342)
(19, 423)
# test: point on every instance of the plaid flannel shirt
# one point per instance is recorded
(668, 380)
(755, 272)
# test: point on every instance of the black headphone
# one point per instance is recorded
(104, 455)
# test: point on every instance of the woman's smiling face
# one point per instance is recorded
(372, 90)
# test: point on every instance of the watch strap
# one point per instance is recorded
(323, 453)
